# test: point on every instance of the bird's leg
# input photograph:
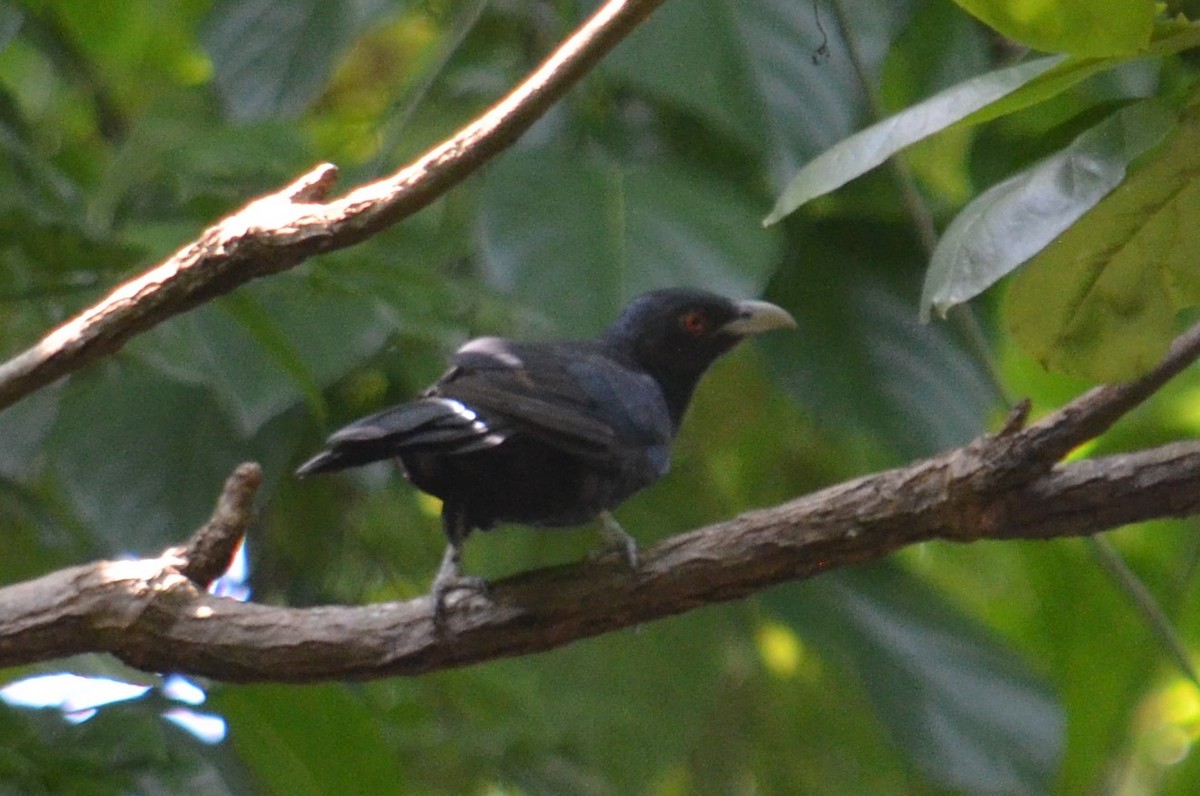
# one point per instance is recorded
(449, 575)
(617, 539)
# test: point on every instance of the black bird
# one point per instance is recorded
(557, 433)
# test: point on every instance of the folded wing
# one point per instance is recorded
(567, 396)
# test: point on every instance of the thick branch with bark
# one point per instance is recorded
(154, 614)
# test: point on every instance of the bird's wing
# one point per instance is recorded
(430, 423)
(571, 396)
(568, 395)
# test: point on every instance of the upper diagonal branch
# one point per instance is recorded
(278, 231)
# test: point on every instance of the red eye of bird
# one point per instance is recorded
(695, 322)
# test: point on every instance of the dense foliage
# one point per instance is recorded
(126, 128)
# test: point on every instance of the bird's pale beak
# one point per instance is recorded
(754, 317)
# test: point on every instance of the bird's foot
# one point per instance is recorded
(616, 539)
(450, 579)
(443, 588)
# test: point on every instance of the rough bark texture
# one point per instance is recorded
(150, 615)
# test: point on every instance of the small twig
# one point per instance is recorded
(1094, 412)
(207, 555)
(1047, 441)
(1145, 604)
(1018, 416)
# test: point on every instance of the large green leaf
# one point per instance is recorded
(860, 359)
(577, 238)
(272, 57)
(1012, 221)
(142, 458)
(972, 102)
(273, 729)
(1100, 301)
(266, 348)
(754, 69)
(868, 148)
(968, 712)
(24, 427)
(1078, 27)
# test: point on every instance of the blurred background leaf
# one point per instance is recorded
(1078, 27)
(553, 227)
(968, 711)
(272, 58)
(990, 668)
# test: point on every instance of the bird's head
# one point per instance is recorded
(680, 332)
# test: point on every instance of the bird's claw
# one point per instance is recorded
(443, 587)
(451, 579)
(618, 540)
(627, 548)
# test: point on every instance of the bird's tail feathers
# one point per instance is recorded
(428, 424)
(323, 462)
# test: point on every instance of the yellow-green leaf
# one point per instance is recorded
(1100, 302)
(1077, 27)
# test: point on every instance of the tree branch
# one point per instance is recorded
(281, 230)
(210, 551)
(154, 613)
(151, 615)
(1085, 418)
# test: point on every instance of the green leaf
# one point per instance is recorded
(1100, 301)
(860, 359)
(577, 238)
(754, 70)
(869, 148)
(141, 458)
(966, 710)
(1012, 221)
(273, 57)
(972, 102)
(1142, 599)
(24, 428)
(1169, 38)
(272, 728)
(1078, 27)
(269, 346)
